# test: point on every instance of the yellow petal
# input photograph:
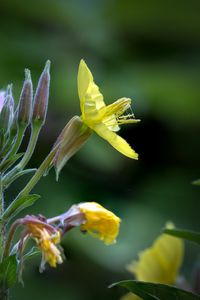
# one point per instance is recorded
(91, 100)
(161, 262)
(100, 222)
(115, 140)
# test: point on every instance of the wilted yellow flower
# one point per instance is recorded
(46, 242)
(100, 222)
(104, 120)
(159, 263)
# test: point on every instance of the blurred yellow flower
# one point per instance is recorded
(46, 242)
(104, 120)
(100, 222)
(159, 263)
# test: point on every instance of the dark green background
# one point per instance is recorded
(146, 50)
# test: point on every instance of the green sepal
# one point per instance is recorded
(8, 272)
(156, 291)
(184, 234)
(18, 205)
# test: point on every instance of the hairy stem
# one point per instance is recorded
(2, 224)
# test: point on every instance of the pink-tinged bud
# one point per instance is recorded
(71, 139)
(41, 96)
(2, 98)
(25, 102)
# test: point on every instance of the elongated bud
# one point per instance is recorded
(25, 102)
(42, 96)
(6, 116)
(71, 139)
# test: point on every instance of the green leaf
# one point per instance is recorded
(19, 204)
(8, 272)
(196, 182)
(150, 291)
(184, 234)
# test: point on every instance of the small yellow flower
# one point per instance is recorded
(159, 263)
(104, 120)
(100, 222)
(46, 242)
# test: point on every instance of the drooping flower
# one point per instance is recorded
(100, 222)
(158, 264)
(104, 120)
(47, 240)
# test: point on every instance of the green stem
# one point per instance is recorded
(7, 180)
(18, 141)
(2, 223)
(10, 238)
(4, 293)
(14, 148)
(39, 173)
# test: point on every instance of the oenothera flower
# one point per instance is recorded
(159, 263)
(46, 236)
(95, 116)
(92, 218)
(104, 120)
(100, 222)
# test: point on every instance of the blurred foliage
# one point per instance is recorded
(146, 51)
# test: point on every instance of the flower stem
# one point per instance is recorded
(4, 293)
(8, 179)
(2, 224)
(39, 173)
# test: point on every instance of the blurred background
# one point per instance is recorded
(148, 52)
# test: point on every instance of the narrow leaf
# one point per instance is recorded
(19, 204)
(8, 272)
(185, 234)
(147, 291)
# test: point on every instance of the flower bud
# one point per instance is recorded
(2, 98)
(25, 102)
(42, 96)
(71, 139)
(6, 115)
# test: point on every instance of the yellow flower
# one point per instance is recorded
(159, 263)
(46, 242)
(100, 222)
(104, 120)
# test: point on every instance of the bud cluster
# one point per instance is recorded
(15, 118)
